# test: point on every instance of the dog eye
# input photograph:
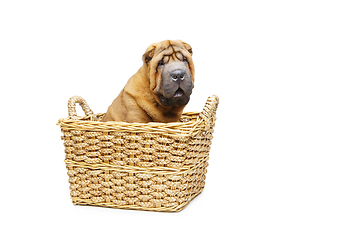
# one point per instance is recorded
(185, 60)
(161, 63)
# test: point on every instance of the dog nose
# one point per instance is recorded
(178, 74)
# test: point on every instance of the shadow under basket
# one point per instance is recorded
(152, 166)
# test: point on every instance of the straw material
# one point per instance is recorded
(154, 166)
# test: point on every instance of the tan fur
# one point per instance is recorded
(138, 101)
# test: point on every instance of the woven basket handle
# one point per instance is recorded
(71, 107)
(208, 114)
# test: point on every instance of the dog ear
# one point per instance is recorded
(149, 54)
(187, 47)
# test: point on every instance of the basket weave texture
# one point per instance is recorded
(153, 166)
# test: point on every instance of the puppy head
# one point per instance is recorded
(171, 72)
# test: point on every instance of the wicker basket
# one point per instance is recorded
(154, 166)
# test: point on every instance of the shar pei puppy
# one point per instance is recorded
(160, 89)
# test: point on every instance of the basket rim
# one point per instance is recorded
(183, 128)
(188, 128)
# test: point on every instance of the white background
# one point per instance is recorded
(284, 162)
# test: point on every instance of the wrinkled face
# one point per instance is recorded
(171, 72)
